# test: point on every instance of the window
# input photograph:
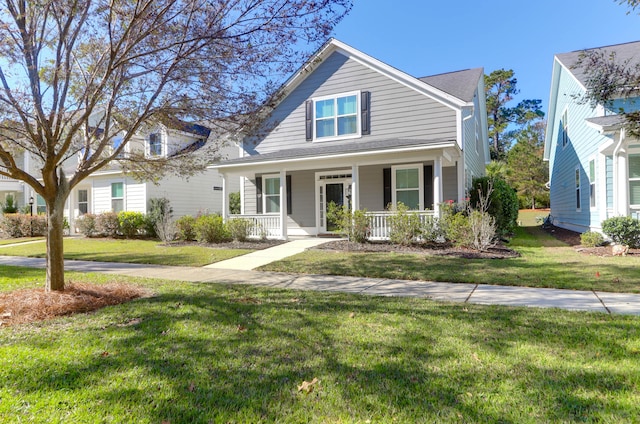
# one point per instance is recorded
(83, 201)
(336, 116)
(407, 186)
(41, 205)
(271, 194)
(116, 142)
(592, 183)
(565, 129)
(634, 179)
(578, 189)
(117, 197)
(155, 144)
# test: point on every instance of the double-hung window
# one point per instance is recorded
(565, 129)
(592, 183)
(155, 144)
(634, 179)
(271, 194)
(41, 205)
(83, 202)
(407, 183)
(117, 197)
(336, 116)
(578, 189)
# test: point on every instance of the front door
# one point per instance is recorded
(335, 194)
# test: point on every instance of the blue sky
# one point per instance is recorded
(427, 37)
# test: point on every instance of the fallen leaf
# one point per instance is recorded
(165, 332)
(242, 328)
(307, 386)
(597, 274)
(192, 387)
(104, 354)
(352, 315)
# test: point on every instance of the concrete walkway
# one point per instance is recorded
(611, 303)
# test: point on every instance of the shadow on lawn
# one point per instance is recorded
(237, 354)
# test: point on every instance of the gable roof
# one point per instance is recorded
(461, 84)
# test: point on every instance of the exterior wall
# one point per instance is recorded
(371, 187)
(474, 146)
(134, 194)
(449, 183)
(390, 116)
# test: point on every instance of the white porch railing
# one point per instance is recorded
(380, 226)
(263, 225)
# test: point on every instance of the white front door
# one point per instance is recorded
(331, 187)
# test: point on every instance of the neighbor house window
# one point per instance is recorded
(41, 205)
(407, 185)
(565, 129)
(155, 144)
(271, 194)
(578, 189)
(83, 201)
(592, 183)
(117, 197)
(116, 142)
(634, 179)
(336, 116)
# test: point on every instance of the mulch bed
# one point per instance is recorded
(572, 238)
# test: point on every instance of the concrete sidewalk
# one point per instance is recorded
(611, 303)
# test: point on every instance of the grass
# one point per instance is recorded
(215, 353)
(130, 251)
(19, 240)
(544, 262)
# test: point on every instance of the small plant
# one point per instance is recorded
(481, 223)
(211, 229)
(87, 225)
(185, 227)
(623, 230)
(355, 225)
(130, 223)
(107, 224)
(240, 228)
(9, 206)
(591, 239)
(457, 229)
(430, 230)
(159, 220)
(404, 226)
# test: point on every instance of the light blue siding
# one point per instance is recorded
(609, 180)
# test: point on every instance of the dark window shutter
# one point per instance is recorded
(428, 186)
(365, 112)
(289, 206)
(309, 119)
(258, 194)
(387, 186)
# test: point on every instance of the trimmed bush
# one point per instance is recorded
(503, 202)
(11, 224)
(87, 225)
(107, 224)
(239, 228)
(404, 226)
(211, 229)
(623, 230)
(185, 228)
(131, 224)
(591, 239)
(457, 229)
(21, 225)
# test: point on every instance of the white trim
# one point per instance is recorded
(320, 187)
(336, 136)
(420, 168)
(564, 120)
(593, 159)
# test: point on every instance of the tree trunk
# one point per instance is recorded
(55, 252)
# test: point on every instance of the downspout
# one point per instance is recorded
(616, 176)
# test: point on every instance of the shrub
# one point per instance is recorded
(86, 224)
(107, 224)
(623, 230)
(21, 225)
(355, 225)
(591, 239)
(159, 220)
(185, 228)
(404, 226)
(37, 225)
(431, 231)
(239, 228)
(211, 229)
(9, 206)
(130, 223)
(503, 202)
(234, 203)
(457, 229)
(482, 230)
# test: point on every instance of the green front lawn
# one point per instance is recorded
(19, 240)
(215, 353)
(130, 251)
(545, 262)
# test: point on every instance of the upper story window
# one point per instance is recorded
(336, 116)
(565, 129)
(155, 144)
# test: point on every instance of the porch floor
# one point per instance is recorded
(262, 257)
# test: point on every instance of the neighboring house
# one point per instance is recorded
(15, 188)
(594, 168)
(111, 190)
(350, 129)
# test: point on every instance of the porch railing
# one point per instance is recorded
(380, 226)
(263, 225)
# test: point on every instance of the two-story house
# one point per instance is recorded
(350, 129)
(594, 166)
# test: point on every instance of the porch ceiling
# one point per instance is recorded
(342, 154)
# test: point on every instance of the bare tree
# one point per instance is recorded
(76, 74)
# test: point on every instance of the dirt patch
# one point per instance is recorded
(28, 305)
(439, 249)
(572, 238)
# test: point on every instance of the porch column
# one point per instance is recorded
(437, 186)
(621, 204)
(225, 199)
(283, 204)
(355, 188)
(243, 181)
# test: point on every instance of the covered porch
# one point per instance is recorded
(287, 193)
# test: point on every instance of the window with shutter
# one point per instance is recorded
(337, 117)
